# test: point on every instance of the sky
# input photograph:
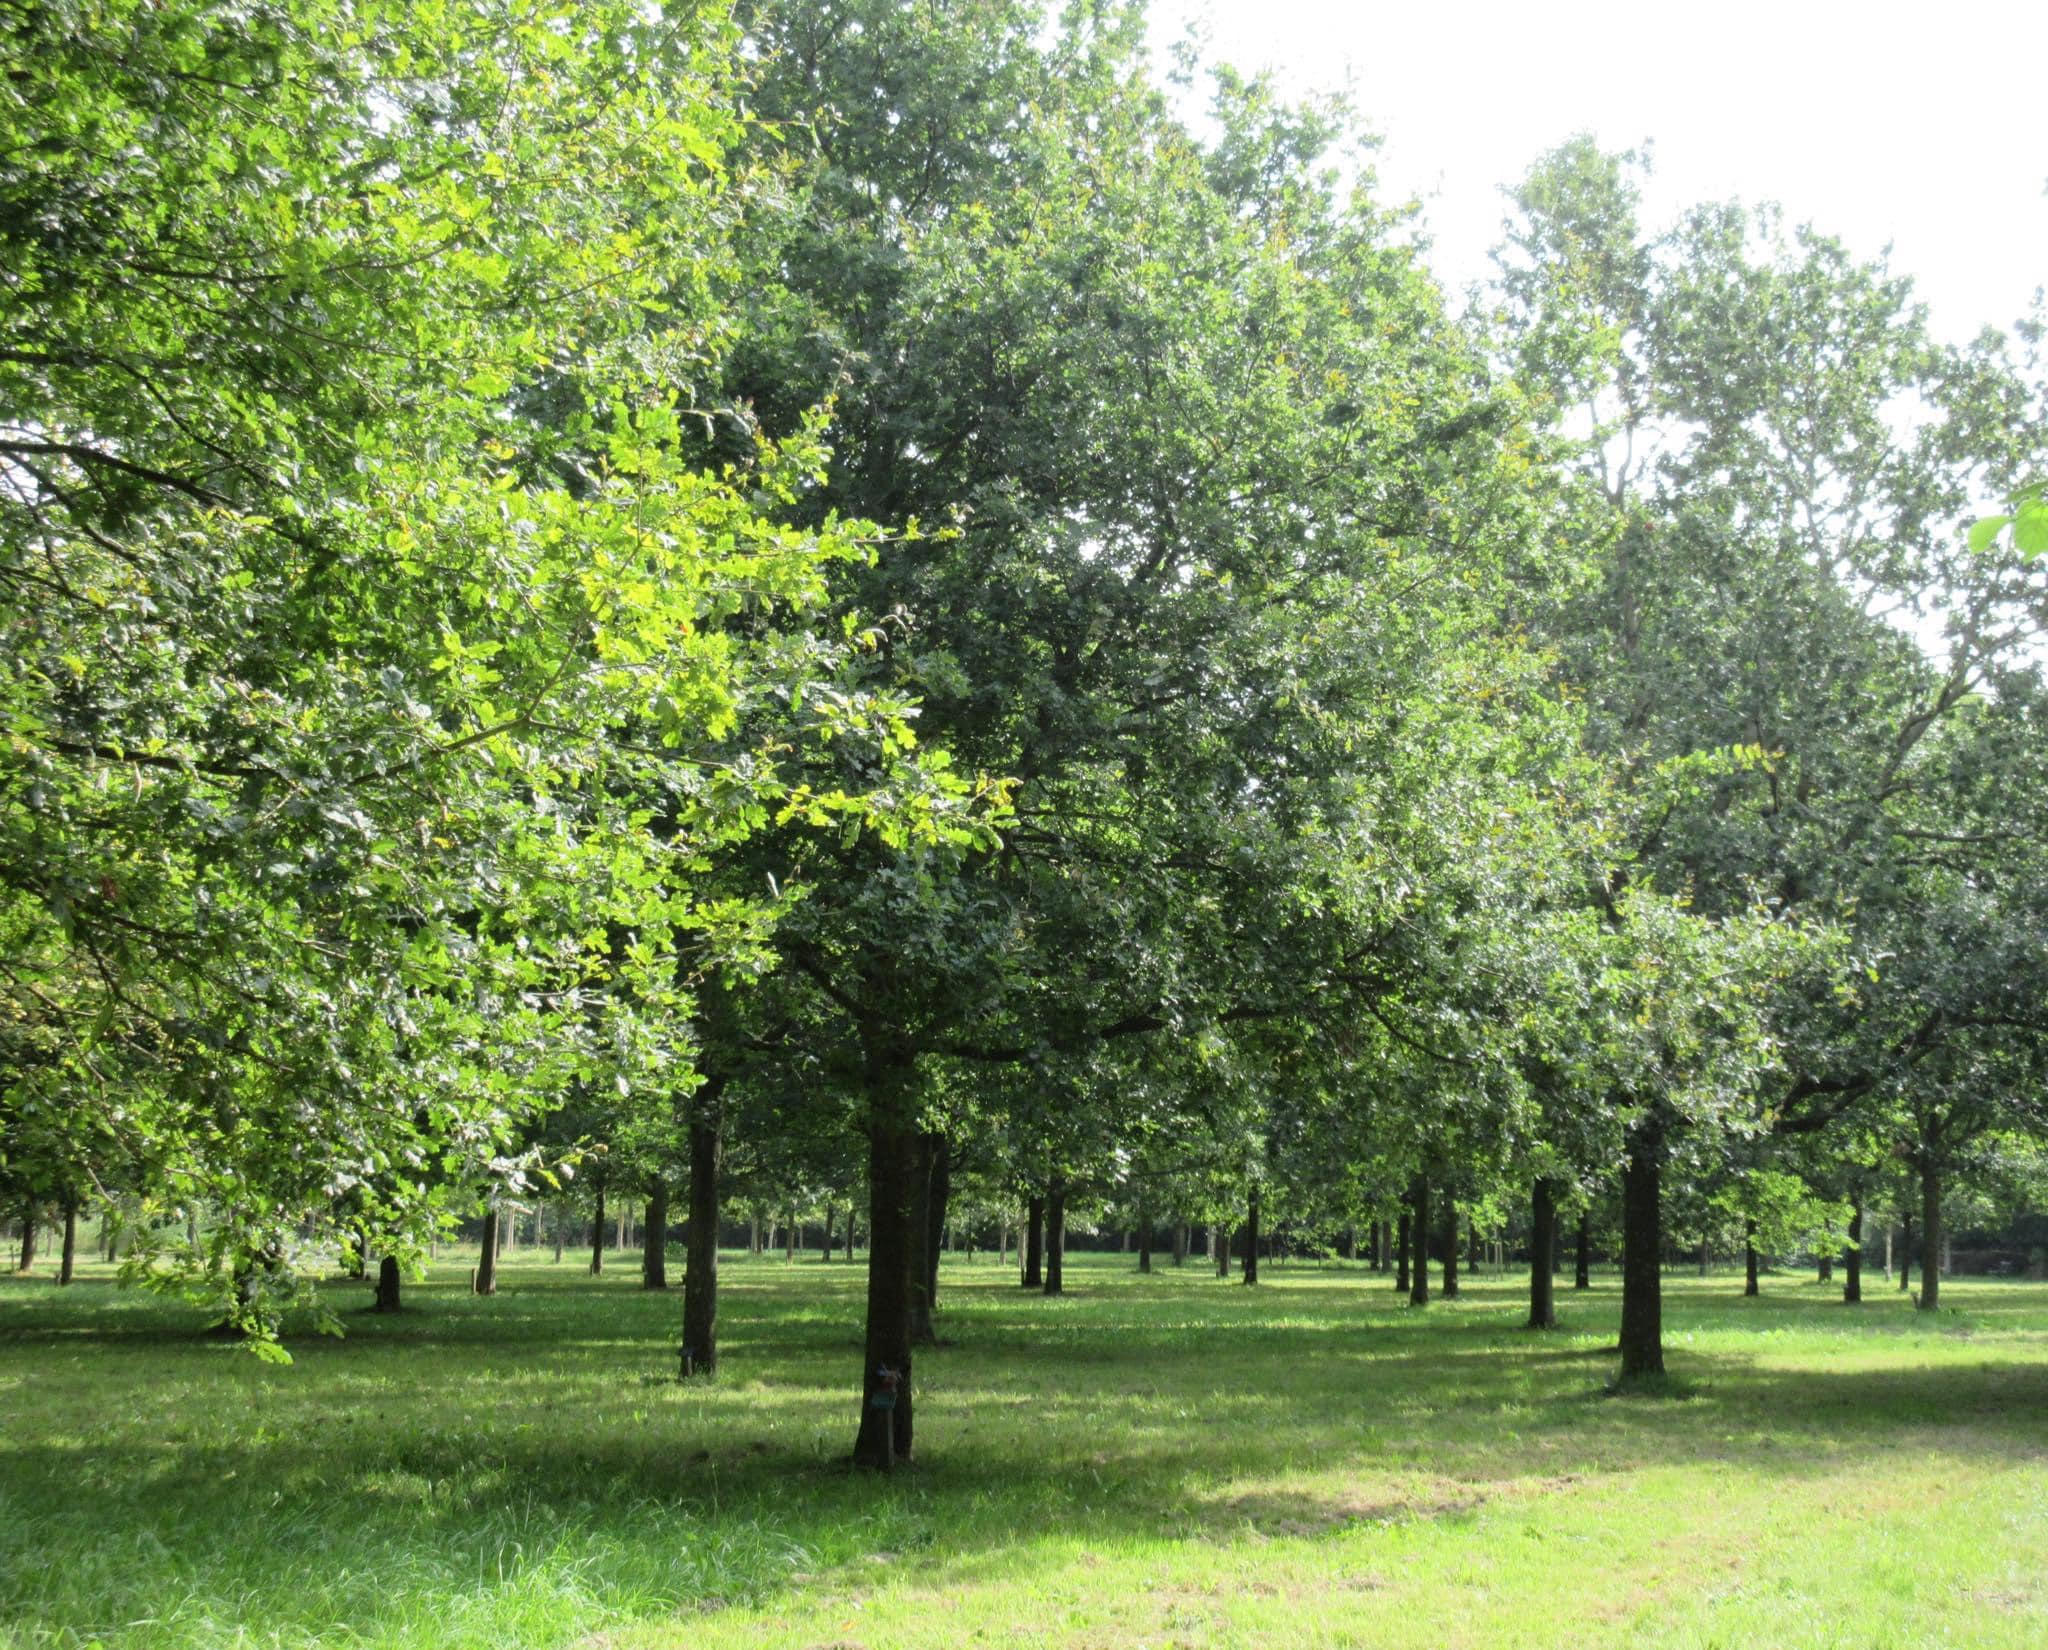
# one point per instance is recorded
(1920, 126)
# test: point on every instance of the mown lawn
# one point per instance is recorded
(1172, 1461)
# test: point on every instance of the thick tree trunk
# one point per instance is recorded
(1418, 1233)
(1642, 1282)
(1905, 1252)
(1450, 1249)
(1251, 1238)
(894, 1159)
(1542, 1248)
(1180, 1244)
(487, 1255)
(1852, 1255)
(1406, 1226)
(1582, 1263)
(700, 1253)
(1930, 1239)
(1749, 1265)
(1144, 1237)
(1055, 1237)
(654, 1239)
(388, 1286)
(1034, 1245)
(597, 1235)
(69, 1255)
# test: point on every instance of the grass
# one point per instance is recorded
(1167, 1462)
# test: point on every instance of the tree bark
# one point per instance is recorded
(1825, 1268)
(1382, 1245)
(1852, 1255)
(1542, 1247)
(1642, 1282)
(597, 1235)
(1582, 1265)
(1034, 1245)
(69, 1256)
(1418, 1235)
(1223, 1236)
(487, 1254)
(700, 1254)
(894, 1158)
(1450, 1249)
(938, 1198)
(1401, 1248)
(388, 1286)
(1251, 1238)
(825, 1248)
(1055, 1237)
(1749, 1266)
(1180, 1244)
(851, 1233)
(561, 1230)
(1930, 1239)
(654, 1239)
(1144, 1236)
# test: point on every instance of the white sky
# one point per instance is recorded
(1924, 126)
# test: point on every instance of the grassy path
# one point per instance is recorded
(1172, 1461)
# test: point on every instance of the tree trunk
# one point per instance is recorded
(1450, 1249)
(1180, 1244)
(1222, 1233)
(1406, 1226)
(894, 1159)
(561, 1231)
(1749, 1284)
(851, 1233)
(825, 1248)
(1852, 1255)
(654, 1239)
(791, 1235)
(1582, 1265)
(1905, 1252)
(487, 1254)
(1251, 1238)
(1055, 1237)
(387, 1286)
(1930, 1239)
(1703, 1256)
(700, 1252)
(1034, 1245)
(69, 1255)
(1542, 1245)
(1825, 1268)
(1382, 1246)
(1144, 1237)
(1418, 1235)
(938, 1197)
(1642, 1282)
(597, 1235)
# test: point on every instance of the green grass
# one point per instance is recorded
(1173, 1461)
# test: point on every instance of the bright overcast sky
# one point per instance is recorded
(1919, 125)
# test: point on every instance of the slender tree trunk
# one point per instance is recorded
(388, 1286)
(487, 1254)
(1450, 1249)
(825, 1249)
(1418, 1234)
(1251, 1237)
(1382, 1245)
(1180, 1244)
(1223, 1239)
(597, 1235)
(938, 1197)
(1406, 1225)
(754, 1233)
(1144, 1237)
(1905, 1251)
(1749, 1266)
(1642, 1282)
(1582, 1265)
(1890, 1232)
(561, 1230)
(792, 1235)
(1542, 1244)
(1930, 1239)
(700, 1253)
(68, 1257)
(1703, 1255)
(852, 1235)
(1055, 1237)
(1034, 1245)
(654, 1239)
(894, 1159)
(1825, 1267)
(1852, 1255)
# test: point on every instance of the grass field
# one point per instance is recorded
(1172, 1461)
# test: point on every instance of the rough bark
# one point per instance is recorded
(1930, 1240)
(1034, 1245)
(1251, 1238)
(700, 1254)
(1418, 1235)
(1642, 1282)
(388, 1286)
(1852, 1255)
(1542, 1250)
(654, 1239)
(894, 1159)
(1582, 1263)
(487, 1255)
(1055, 1237)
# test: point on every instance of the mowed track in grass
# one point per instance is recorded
(1164, 1461)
